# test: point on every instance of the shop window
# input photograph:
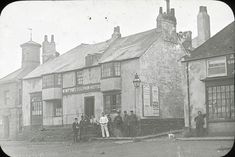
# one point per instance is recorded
(79, 75)
(216, 67)
(52, 80)
(6, 97)
(57, 108)
(110, 69)
(112, 102)
(221, 102)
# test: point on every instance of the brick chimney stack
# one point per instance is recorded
(203, 25)
(49, 49)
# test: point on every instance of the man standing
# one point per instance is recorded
(133, 124)
(118, 124)
(104, 125)
(126, 124)
(75, 127)
(110, 125)
(83, 127)
(199, 123)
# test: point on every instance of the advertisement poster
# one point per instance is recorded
(151, 105)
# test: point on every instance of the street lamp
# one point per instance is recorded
(136, 83)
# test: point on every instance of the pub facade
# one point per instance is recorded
(94, 78)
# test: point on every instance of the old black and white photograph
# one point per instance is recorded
(117, 78)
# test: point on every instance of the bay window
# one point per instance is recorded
(51, 80)
(111, 69)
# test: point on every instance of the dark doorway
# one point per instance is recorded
(89, 103)
(6, 126)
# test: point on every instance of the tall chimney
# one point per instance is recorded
(167, 6)
(203, 25)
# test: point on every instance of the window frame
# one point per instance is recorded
(55, 107)
(6, 97)
(109, 69)
(115, 103)
(217, 59)
(36, 104)
(79, 80)
(52, 80)
(216, 93)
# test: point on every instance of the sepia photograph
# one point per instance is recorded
(117, 78)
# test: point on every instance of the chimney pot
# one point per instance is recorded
(173, 11)
(52, 38)
(160, 10)
(203, 9)
(45, 37)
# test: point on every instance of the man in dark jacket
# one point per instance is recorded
(83, 127)
(118, 124)
(75, 127)
(126, 124)
(199, 123)
(133, 124)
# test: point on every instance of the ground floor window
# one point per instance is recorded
(112, 102)
(57, 108)
(220, 99)
(36, 104)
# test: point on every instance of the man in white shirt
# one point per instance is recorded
(104, 125)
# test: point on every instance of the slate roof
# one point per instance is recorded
(130, 46)
(71, 60)
(221, 43)
(122, 48)
(16, 75)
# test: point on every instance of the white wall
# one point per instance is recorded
(29, 86)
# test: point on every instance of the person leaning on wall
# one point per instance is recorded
(199, 120)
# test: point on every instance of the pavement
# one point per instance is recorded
(177, 137)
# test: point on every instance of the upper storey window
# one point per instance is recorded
(79, 77)
(52, 80)
(216, 67)
(111, 69)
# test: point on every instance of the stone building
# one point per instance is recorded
(94, 78)
(209, 83)
(11, 91)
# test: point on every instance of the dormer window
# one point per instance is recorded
(111, 69)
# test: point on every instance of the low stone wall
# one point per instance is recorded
(155, 126)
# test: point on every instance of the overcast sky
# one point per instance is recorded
(71, 25)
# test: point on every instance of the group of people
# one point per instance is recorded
(79, 128)
(119, 126)
(125, 125)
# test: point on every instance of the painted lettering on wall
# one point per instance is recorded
(82, 89)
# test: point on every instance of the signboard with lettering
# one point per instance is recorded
(151, 106)
(230, 65)
(82, 89)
